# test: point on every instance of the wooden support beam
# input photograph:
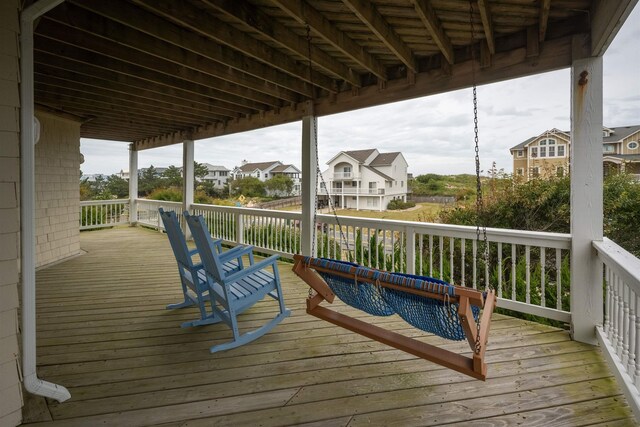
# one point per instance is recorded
(431, 21)
(254, 18)
(368, 14)
(112, 39)
(545, 7)
(487, 25)
(485, 55)
(228, 95)
(533, 42)
(607, 17)
(305, 14)
(206, 25)
(71, 80)
(133, 185)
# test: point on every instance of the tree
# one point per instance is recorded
(116, 186)
(249, 186)
(280, 185)
(199, 172)
(149, 180)
(172, 177)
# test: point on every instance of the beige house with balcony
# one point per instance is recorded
(364, 179)
(547, 154)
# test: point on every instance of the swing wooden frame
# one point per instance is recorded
(474, 366)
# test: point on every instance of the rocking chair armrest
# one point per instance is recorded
(193, 252)
(252, 269)
(236, 252)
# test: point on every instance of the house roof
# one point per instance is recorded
(625, 157)
(250, 167)
(211, 167)
(385, 176)
(360, 155)
(155, 73)
(384, 159)
(283, 168)
(618, 134)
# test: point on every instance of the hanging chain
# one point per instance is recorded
(479, 199)
(318, 172)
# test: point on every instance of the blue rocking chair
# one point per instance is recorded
(233, 292)
(192, 275)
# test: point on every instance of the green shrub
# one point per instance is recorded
(399, 204)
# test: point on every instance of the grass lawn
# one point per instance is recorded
(421, 212)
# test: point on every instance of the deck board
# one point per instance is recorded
(104, 332)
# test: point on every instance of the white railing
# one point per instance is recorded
(619, 335)
(149, 216)
(350, 191)
(103, 213)
(345, 175)
(529, 270)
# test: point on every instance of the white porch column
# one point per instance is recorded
(586, 197)
(187, 179)
(309, 183)
(133, 185)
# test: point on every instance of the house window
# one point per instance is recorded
(534, 152)
(543, 142)
(560, 171)
(543, 151)
(519, 171)
(401, 183)
(535, 171)
(560, 150)
(633, 145)
(219, 183)
(258, 174)
(608, 148)
(551, 142)
(520, 153)
(552, 151)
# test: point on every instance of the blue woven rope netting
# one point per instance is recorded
(428, 314)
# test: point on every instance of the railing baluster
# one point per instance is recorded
(616, 319)
(543, 262)
(441, 255)
(607, 301)
(514, 272)
(474, 249)
(636, 369)
(558, 279)
(499, 269)
(463, 252)
(625, 325)
(527, 258)
(631, 361)
(430, 255)
(420, 256)
(451, 269)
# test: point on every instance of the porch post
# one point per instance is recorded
(309, 178)
(586, 197)
(133, 185)
(187, 179)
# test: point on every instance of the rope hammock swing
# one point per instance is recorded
(449, 311)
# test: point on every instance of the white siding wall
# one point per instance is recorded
(10, 388)
(57, 189)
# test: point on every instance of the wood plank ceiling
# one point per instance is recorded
(155, 72)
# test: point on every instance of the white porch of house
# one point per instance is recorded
(610, 318)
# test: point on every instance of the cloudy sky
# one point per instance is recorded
(437, 135)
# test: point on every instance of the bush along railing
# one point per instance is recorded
(149, 216)
(619, 335)
(103, 213)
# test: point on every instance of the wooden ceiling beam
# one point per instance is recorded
(72, 80)
(545, 7)
(487, 25)
(64, 55)
(110, 38)
(112, 104)
(305, 14)
(430, 20)
(254, 18)
(204, 24)
(368, 14)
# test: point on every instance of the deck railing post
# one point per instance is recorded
(411, 250)
(133, 185)
(309, 178)
(239, 228)
(586, 192)
(187, 180)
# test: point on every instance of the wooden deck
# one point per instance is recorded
(103, 332)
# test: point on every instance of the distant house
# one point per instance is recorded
(364, 179)
(218, 175)
(547, 154)
(267, 170)
(92, 177)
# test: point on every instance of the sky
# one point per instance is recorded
(436, 137)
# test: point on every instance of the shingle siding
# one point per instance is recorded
(10, 387)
